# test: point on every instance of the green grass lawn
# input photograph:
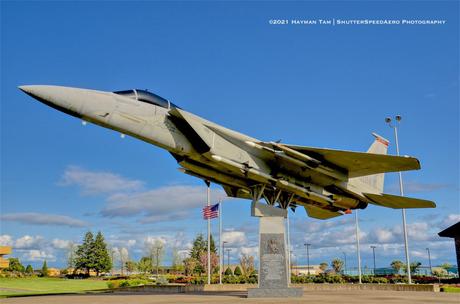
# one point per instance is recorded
(451, 289)
(29, 286)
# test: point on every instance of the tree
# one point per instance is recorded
(103, 262)
(199, 245)
(212, 245)
(414, 266)
(228, 271)
(131, 266)
(177, 261)
(247, 264)
(44, 271)
(124, 256)
(237, 271)
(113, 251)
(397, 265)
(15, 265)
(190, 265)
(29, 269)
(337, 265)
(204, 261)
(71, 255)
(145, 265)
(446, 266)
(439, 272)
(323, 266)
(156, 253)
(85, 257)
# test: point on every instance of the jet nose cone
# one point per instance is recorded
(36, 91)
(65, 99)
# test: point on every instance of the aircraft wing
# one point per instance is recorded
(360, 163)
(398, 202)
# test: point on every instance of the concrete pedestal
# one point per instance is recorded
(273, 267)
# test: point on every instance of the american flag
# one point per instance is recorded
(210, 212)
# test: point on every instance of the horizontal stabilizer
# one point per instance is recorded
(320, 213)
(360, 163)
(398, 202)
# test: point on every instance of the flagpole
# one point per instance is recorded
(209, 232)
(220, 242)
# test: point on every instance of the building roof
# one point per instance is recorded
(5, 250)
(452, 231)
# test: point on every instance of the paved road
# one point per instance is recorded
(320, 297)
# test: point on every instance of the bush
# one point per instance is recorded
(329, 278)
(237, 271)
(229, 279)
(161, 281)
(197, 280)
(113, 284)
(228, 271)
(126, 283)
(302, 279)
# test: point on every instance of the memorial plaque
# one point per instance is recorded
(272, 261)
(273, 274)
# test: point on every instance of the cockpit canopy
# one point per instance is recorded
(148, 97)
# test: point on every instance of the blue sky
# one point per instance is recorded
(325, 86)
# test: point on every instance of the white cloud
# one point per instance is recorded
(416, 187)
(6, 240)
(33, 218)
(38, 255)
(234, 238)
(165, 203)
(28, 242)
(450, 220)
(97, 182)
(251, 251)
(384, 235)
(153, 240)
(60, 244)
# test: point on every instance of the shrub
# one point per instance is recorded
(228, 271)
(162, 281)
(237, 271)
(197, 280)
(124, 283)
(113, 284)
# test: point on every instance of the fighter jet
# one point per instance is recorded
(326, 182)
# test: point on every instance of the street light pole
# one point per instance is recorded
(357, 246)
(406, 243)
(429, 260)
(307, 247)
(345, 262)
(373, 253)
(228, 257)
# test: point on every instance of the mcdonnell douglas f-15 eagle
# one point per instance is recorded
(326, 182)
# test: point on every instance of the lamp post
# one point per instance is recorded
(358, 253)
(307, 247)
(345, 263)
(429, 260)
(373, 253)
(406, 243)
(228, 256)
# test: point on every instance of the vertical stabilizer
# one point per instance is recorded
(374, 182)
(379, 146)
